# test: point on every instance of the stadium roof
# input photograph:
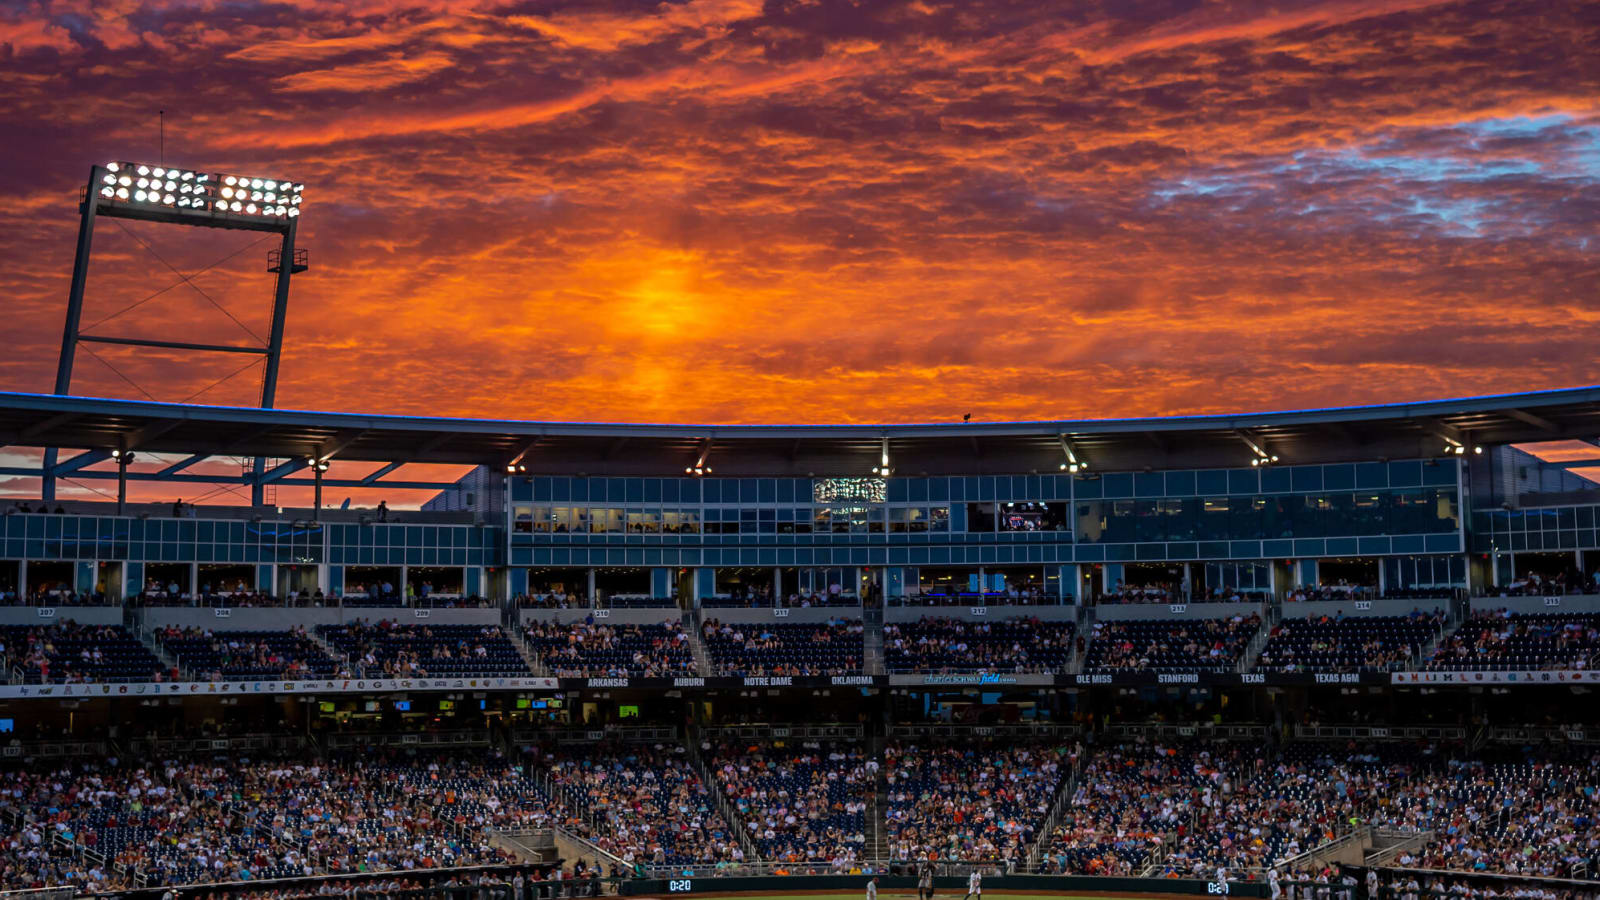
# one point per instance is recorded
(1400, 430)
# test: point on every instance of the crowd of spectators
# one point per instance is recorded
(186, 821)
(1142, 593)
(969, 802)
(649, 805)
(1232, 806)
(390, 649)
(1202, 645)
(1401, 885)
(1202, 806)
(1221, 594)
(748, 648)
(1127, 799)
(1339, 591)
(66, 652)
(232, 655)
(550, 600)
(1339, 644)
(589, 649)
(955, 645)
(1506, 641)
(52, 594)
(1535, 584)
(799, 805)
(1520, 812)
(1012, 595)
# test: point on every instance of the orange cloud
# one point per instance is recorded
(374, 75)
(728, 211)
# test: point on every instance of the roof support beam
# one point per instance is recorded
(514, 464)
(245, 438)
(1538, 422)
(437, 441)
(150, 432)
(45, 427)
(182, 464)
(339, 441)
(230, 479)
(1075, 461)
(700, 467)
(81, 461)
(279, 471)
(1256, 444)
(373, 478)
(615, 445)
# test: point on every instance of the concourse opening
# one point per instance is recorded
(1155, 582)
(222, 580)
(437, 582)
(1016, 584)
(683, 580)
(943, 585)
(10, 578)
(752, 585)
(363, 585)
(108, 581)
(624, 583)
(49, 581)
(166, 581)
(299, 579)
(1546, 572)
(1220, 582)
(1348, 571)
(559, 584)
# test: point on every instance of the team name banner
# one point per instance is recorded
(924, 680)
(1552, 676)
(235, 688)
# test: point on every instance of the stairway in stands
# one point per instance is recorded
(322, 642)
(730, 816)
(1271, 616)
(877, 848)
(702, 657)
(529, 658)
(872, 642)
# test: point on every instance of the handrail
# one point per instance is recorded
(724, 808)
(1069, 786)
(596, 849)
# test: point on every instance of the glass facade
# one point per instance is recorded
(110, 538)
(1376, 508)
(1540, 529)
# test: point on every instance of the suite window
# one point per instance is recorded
(522, 519)
(566, 519)
(981, 517)
(604, 520)
(939, 519)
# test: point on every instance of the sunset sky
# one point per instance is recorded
(734, 211)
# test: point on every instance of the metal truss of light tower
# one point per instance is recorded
(181, 196)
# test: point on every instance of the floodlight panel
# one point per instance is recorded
(238, 197)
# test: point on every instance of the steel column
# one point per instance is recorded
(69, 330)
(269, 378)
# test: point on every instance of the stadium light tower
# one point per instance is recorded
(182, 196)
